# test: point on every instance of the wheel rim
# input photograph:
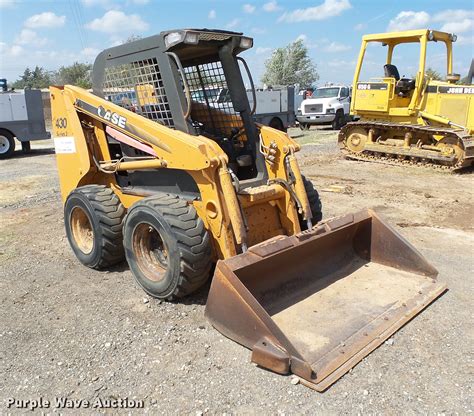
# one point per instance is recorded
(4, 145)
(82, 230)
(150, 251)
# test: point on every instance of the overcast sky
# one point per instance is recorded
(53, 33)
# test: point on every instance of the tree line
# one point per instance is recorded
(76, 74)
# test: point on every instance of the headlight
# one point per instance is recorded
(246, 43)
(192, 38)
(330, 111)
(173, 38)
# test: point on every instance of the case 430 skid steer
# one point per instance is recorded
(411, 120)
(154, 170)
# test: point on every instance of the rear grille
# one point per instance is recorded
(313, 108)
(213, 36)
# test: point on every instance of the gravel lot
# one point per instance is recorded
(67, 331)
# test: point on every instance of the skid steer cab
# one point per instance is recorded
(177, 184)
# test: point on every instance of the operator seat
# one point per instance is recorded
(391, 71)
(403, 85)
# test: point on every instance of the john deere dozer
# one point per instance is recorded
(411, 120)
(175, 182)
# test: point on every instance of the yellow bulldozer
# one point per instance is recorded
(180, 187)
(411, 120)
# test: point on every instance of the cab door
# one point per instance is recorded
(345, 98)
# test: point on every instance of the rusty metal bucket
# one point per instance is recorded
(316, 303)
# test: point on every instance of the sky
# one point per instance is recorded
(52, 33)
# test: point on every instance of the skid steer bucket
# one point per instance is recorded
(316, 303)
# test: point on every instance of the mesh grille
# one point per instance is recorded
(313, 108)
(213, 36)
(211, 103)
(137, 86)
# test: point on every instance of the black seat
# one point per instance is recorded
(391, 71)
(403, 85)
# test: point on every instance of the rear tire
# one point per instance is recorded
(7, 144)
(167, 247)
(276, 123)
(93, 217)
(314, 200)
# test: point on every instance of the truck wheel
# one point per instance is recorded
(304, 126)
(339, 120)
(276, 123)
(7, 144)
(93, 216)
(166, 246)
(26, 147)
(314, 200)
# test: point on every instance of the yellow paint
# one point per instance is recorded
(220, 207)
(422, 103)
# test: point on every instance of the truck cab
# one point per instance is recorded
(327, 105)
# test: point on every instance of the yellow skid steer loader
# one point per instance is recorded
(176, 181)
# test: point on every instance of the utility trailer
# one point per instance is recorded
(276, 107)
(21, 116)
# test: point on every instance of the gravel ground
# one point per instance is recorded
(67, 331)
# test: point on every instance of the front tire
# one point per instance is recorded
(93, 217)
(167, 247)
(7, 144)
(26, 147)
(314, 200)
(304, 126)
(339, 120)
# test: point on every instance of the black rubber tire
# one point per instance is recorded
(105, 214)
(26, 147)
(304, 126)
(339, 120)
(10, 145)
(276, 123)
(184, 238)
(314, 200)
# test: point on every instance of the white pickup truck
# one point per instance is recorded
(327, 105)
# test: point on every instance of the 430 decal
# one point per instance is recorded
(61, 123)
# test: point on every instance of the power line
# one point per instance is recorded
(76, 22)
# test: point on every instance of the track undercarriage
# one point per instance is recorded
(401, 144)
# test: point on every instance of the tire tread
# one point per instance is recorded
(110, 213)
(193, 241)
(314, 200)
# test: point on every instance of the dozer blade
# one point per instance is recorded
(318, 302)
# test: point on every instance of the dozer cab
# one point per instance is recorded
(179, 186)
(411, 120)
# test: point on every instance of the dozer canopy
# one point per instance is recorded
(316, 303)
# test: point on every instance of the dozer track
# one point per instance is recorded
(376, 151)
